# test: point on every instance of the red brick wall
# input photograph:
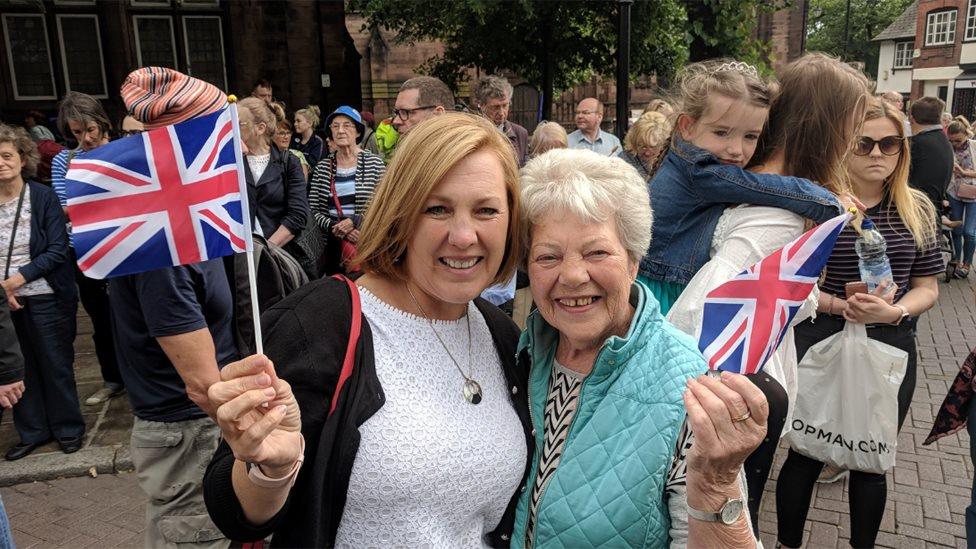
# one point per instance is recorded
(938, 56)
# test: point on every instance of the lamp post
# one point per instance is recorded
(623, 67)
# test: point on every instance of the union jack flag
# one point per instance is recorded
(744, 320)
(170, 196)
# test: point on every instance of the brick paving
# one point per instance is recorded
(927, 493)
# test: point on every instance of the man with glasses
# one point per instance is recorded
(130, 126)
(420, 98)
(588, 135)
(494, 97)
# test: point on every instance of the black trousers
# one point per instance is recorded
(49, 408)
(94, 298)
(758, 464)
(867, 491)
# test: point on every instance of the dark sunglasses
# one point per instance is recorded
(889, 146)
(127, 133)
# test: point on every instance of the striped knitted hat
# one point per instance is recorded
(157, 96)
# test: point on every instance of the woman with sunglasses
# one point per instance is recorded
(960, 197)
(878, 170)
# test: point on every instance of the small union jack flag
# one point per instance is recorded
(170, 196)
(744, 320)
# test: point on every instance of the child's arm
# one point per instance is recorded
(725, 184)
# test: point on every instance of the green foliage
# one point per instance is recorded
(825, 28)
(573, 38)
(577, 37)
(724, 28)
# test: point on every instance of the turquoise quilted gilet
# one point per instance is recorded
(608, 490)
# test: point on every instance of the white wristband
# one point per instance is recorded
(257, 476)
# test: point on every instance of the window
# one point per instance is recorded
(903, 55)
(150, 3)
(971, 21)
(204, 41)
(940, 28)
(81, 54)
(29, 56)
(155, 42)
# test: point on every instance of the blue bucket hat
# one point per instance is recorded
(348, 112)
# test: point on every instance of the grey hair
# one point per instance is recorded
(594, 188)
(547, 136)
(492, 87)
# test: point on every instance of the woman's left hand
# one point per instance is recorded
(870, 309)
(353, 236)
(728, 417)
(342, 228)
(10, 287)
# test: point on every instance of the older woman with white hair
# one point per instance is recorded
(613, 388)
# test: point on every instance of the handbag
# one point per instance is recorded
(966, 191)
(347, 249)
(846, 411)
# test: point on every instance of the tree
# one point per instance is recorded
(556, 44)
(724, 28)
(826, 21)
(553, 45)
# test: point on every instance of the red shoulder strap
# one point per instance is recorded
(354, 328)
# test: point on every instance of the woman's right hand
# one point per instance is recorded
(258, 415)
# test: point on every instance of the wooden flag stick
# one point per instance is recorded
(246, 218)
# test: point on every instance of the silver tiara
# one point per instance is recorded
(738, 66)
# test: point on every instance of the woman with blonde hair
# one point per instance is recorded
(547, 136)
(427, 440)
(276, 189)
(305, 140)
(645, 141)
(878, 168)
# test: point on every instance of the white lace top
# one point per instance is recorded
(433, 470)
(744, 235)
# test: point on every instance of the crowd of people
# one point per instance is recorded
(398, 403)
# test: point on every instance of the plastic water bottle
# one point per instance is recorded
(872, 261)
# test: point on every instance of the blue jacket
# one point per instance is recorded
(48, 244)
(691, 190)
(608, 488)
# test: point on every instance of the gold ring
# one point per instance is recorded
(742, 418)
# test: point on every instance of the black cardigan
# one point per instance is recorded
(48, 244)
(931, 167)
(306, 336)
(279, 196)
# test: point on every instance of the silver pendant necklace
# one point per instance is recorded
(471, 389)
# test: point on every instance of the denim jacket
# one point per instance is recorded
(691, 190)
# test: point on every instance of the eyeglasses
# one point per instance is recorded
(283, 133)
(889, 146)
(586, 113)
(404, 114)
(346, 127)
(127, 133)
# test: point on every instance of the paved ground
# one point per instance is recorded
(927, 493)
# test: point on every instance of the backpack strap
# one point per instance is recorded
(354, 329)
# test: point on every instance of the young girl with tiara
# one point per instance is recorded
(721, 110)
(815, 144)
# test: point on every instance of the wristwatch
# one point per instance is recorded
(727, 514)
(904, 314)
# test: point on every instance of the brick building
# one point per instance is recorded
(931, 50)
(49, 47)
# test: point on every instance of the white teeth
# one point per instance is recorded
(581, 302)
(455, 264)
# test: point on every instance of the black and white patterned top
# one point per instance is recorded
(561, 403)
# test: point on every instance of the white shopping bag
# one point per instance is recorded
(847, 404)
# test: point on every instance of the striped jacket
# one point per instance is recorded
(369, 170)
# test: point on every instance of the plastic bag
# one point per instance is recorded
(847, 404)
